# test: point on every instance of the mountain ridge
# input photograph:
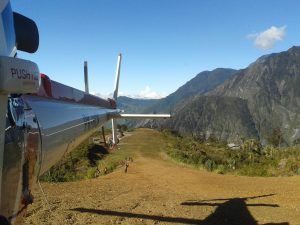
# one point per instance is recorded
(270, 86)
(266, 94)
(201, 83)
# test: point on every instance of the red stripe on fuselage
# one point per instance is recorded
(54, 90)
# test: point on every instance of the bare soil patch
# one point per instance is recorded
(156, 190)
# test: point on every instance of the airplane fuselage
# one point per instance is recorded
(40, 129)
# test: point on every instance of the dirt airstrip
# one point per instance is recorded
(156, 190)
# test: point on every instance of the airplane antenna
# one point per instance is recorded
(116, 88)
(115, 97)
(86, 77)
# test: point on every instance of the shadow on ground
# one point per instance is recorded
(95, 153)
(139, 216)
(231, 211)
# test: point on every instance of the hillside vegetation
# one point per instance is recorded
(90, 160)
(251, 159)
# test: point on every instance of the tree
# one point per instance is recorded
(252, 145)
(276, 137)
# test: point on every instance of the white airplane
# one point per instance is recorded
(40, 119)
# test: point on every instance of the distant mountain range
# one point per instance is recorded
(201, 83)
(234, 104)
(131, 105)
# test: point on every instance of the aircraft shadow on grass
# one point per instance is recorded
(229, 211)
(95, 153)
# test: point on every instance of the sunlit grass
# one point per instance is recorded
(215, 156)
(90, 160)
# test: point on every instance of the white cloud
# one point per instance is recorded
(268, 38)
(104, 96)
(147, 93)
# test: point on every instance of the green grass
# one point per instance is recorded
(89, 160)
(248, 161)
(81, 163)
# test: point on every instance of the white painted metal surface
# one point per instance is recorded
(116, 88)
(145, 116)
(7, 34)
(18, 76)
(115, 97)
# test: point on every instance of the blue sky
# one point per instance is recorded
(164, 43)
